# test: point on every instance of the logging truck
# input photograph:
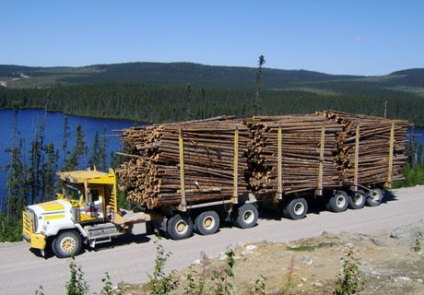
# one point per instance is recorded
(193, 176)
(86, 212)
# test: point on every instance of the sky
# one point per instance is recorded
(355, 37)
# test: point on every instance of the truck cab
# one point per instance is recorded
(85, 212)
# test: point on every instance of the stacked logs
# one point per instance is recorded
(152, 175)
(302, 137)
(373, 143)
(318, 151)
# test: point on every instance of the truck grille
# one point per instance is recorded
(27, 223)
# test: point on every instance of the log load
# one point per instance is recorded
(194, 162)
(152, 176)
(308, 148)
(371, 150)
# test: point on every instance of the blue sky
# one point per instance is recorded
(359, 37)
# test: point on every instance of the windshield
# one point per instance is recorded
(72, 193)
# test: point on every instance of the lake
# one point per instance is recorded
(28, 121)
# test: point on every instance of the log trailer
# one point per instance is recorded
(86, 210)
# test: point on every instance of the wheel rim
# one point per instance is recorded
(299, 208)
(67, 244)
(375, 196)
(209, 222)
(340, 201)
(358, 198)
(181, 227)
(248, 216)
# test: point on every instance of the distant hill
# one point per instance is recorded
(179, 74)
(160, 74)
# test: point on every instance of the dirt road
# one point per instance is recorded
(131, 260)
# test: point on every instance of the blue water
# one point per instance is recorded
(28, 121)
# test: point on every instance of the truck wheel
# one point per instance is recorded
(338, 202)
(374, 197)
(67, 244)
(296, 209)
(206, 223)
(179, 227)
(245, 216)
(357, 199)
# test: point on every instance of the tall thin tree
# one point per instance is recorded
(257, 103)
(37, 156)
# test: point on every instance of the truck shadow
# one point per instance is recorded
(126, 239)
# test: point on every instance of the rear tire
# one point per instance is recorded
(374, 197)
(67, 244)
(179, 227)
(296, 209)
(245, 216)
(357, 199)
(207, 223)
(338, 202)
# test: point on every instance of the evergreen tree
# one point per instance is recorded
(65, 140)
(102, 151)
(94, 158)
(188, 102)
(15, 186)
(79, 150)
(259, 87)
(16, 183)
(48, 172)
(37, 157)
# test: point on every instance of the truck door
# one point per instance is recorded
(93, 209)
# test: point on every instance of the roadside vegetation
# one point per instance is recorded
(217, 281)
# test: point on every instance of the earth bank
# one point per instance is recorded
(389, 262)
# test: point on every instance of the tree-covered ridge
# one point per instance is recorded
(158, 92)
(159, 73)
(180, 73)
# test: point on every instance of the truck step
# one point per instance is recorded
(101, 230)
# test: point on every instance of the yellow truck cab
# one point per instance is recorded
(85, 211)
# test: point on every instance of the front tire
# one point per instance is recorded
(246, 216)
(206, 223)
(338, 202)
(179, 227)
(296, 209)
(67, 244)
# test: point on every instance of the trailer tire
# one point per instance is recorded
(245, 216)
(206, 223)
(357, 199)
(338, 202)
(374, 197)
(179, 227)
(296, 209)
(67, 244)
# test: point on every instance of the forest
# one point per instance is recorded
(158, 93)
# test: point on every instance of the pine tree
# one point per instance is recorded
(259, 87)
(79, 150)
(48, 172)
(103, 151)
(15, 186)
(94, 158)
(65, 141)
(16, 183)
(37, 157)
